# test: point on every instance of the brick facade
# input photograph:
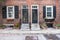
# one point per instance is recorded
(41, 3)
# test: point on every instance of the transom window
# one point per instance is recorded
(10, 12)
(25, 7)
(34, 6)
(49, 11)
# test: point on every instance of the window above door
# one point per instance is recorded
(34, 6)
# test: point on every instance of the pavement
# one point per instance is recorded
(41, 31)
(13, 36)
(17, 34)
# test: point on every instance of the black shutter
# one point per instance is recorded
(54, 11)
(16, 12)
(44, 11)
(4, 12)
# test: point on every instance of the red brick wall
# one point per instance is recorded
(41, 3)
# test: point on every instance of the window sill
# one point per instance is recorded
(10, 19)
(49, 18)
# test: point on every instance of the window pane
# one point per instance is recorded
(49, 14)
(10, 15)
(10, 9)
(34, 6)
(49, 9)
(25, 6)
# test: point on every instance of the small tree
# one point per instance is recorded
(58, 25)
(17, 25)
(2, 0)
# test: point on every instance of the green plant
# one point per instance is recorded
(2, 26)
(44, 24)
(2, 0)
(17, 25)
(58, 25)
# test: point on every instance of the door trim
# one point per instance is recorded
(38, 13)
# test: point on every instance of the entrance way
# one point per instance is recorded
(34, 18)
(25, 24)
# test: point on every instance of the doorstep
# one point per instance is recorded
(25, 27)
(35, 27)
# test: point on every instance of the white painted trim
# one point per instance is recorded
(38, 12)
(51, 12)
(35, 5)
(13, 13)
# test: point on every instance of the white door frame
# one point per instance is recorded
(38, 13)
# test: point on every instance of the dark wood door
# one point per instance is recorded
(34, 16)
(24, 15)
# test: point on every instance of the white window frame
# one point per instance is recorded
(51, 12)
(38, 12)
(12, 13)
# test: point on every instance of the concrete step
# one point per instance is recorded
(35, 27)
(25, 27)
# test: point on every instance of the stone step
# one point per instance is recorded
(35, 27)
(25, 27)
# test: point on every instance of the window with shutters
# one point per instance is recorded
(49, 12)
(10, 12)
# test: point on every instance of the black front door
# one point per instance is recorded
(34, 16)
(24, 15)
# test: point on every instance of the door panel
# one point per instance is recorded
(34, 16)
(24, 15)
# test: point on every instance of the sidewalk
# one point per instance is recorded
(43, 31)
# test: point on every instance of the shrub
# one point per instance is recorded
(2, 0)
(2, 26)
(44, 25)
(16, 25)
(58, 25)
